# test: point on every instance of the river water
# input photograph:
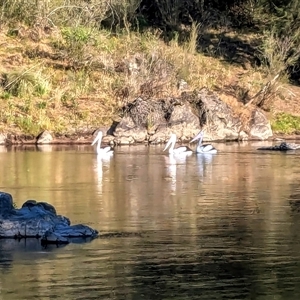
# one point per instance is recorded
(202, 227)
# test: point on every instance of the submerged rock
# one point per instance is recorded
(38, 220)
(282, 147)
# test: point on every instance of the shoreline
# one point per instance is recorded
(87, 138)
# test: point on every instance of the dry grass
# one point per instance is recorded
(80, 78)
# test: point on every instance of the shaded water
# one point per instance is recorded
(209, 227)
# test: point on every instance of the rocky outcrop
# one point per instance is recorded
(153, 120)
(38, 220)
(260, 127)
(215, 115)
(282, 147)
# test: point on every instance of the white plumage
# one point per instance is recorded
(101, 151)
(203, 148)
(180, 150)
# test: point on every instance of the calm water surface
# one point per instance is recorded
(204, 227)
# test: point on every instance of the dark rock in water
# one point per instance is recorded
(6, 203)
(38, 220)
(282, 147)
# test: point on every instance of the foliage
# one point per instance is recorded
(286, 123)
(94, 57)
(24, 82)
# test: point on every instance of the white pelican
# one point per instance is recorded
(206, 148)
(101, 151)
(179, 150)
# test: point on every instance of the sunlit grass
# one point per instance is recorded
(82, 76)
(286, 123)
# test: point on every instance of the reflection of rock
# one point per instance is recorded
(24, 245)
(282, 147)
(295, 202)
(44, 148)
(39, 220)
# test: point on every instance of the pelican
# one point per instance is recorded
(207, 148)
(101, 151)
(180, 150)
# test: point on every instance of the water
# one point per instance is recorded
(204, 227)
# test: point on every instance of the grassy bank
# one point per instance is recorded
(73, 78)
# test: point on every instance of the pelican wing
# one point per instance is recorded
(208, 148)
(106, 149)
(180, 150)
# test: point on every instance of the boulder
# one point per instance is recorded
(182, 121)
(44, 138)
(260, 127)
(3, 138)
(282, 147)
(214, 114)
(39, 220)
(153, 120)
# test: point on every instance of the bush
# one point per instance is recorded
(286, 123)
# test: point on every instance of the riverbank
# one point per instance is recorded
(86, 138)
(71, 81)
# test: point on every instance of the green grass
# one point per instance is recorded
(76, 76)
(285, 123)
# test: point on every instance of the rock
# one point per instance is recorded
(108, 139)
(39, 220)
(3, 138)
(282, 147)
(260, 127)
(182, 85)
(133, 134)
(214, 114)
(44, 138)
(123, 140)
(182, 121)
(243, 136)
(154, 120)
(6, 203)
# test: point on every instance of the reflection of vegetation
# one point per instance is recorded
(202, 241)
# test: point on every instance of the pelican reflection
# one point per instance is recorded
(203, 161)
(101, 163)
(172, 161)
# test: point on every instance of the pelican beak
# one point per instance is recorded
(198, 136)
(95, 140)
(167, 146)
